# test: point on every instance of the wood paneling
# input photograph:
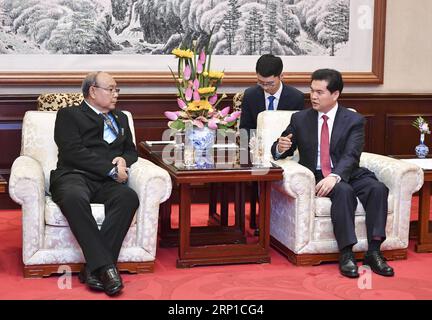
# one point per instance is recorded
(388, 126)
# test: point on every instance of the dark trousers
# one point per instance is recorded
(373, 196)
(73, 193)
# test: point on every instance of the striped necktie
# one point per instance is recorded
(109, 123)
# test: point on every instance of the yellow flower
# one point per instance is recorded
(183, 53)
(206, 90)
(216, 74)
(199, 105)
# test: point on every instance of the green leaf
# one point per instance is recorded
(180, 91)
(222, 127)
(177, 125)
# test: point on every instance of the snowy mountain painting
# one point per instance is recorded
(155, 27)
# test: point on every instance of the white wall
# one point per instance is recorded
(408, 57)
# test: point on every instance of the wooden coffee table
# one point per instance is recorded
(200, 245)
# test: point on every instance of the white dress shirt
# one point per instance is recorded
(330, 121)
(108, 135)
(276, 95)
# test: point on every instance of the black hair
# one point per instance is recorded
(333, 78)
(269, 65)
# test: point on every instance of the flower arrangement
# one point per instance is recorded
(197, 94)
(421, 125)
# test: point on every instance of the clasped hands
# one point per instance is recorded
(122, 169)
(326, 185)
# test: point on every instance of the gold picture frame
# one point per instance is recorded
(57, 76)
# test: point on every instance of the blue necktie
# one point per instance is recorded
(271, 106)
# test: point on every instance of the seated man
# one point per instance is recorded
(330, 140)
(270, 93)
(95, 150)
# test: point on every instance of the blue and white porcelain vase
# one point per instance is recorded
(202, 141)
(422, 150)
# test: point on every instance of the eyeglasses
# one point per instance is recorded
(266, 84)
(113, 90)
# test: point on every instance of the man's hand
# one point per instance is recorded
(325, 186)
(284, 143)
(122, 174)
(119, 162)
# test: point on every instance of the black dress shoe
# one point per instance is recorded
(90, 279)
(111, 280)
(378, 264)
(348, 265)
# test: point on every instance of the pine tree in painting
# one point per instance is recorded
(231, 23)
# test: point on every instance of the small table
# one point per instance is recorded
(199, 245)
(423, 227)
(3, 184)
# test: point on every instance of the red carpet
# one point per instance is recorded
(278, 280)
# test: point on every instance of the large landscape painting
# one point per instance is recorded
(238, 27)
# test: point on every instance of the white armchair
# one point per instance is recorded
(300, 223)
(47, 239)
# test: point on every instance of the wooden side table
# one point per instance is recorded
(424, 233)
(422, 228)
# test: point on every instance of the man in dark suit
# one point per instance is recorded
(95, 151)
(330, 140)
(269, 93)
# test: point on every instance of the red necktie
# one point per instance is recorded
(325, 148)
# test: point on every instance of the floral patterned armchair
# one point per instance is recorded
(47, 239)
(300, 223)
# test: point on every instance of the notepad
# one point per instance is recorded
(160, 142)
(225, 145)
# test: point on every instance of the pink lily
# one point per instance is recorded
(188, 94)
(196, 84)
(212, 123)
(199, 67)
(202, 57)
(171, 115)
(213, 99)
(224, 111)
(233, 116)
(187, 72)
(198, 123)
(182, 105)
(196, 96)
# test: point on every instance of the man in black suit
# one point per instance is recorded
(269, 93)
(95, 151)
(330, 140)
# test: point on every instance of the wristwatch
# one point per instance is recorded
(114, 173)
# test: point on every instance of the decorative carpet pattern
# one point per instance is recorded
(279, 280)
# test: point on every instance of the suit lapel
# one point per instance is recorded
(261, 100)
(312, 127)
(283, 101)
(119, 123)
(92, 115)
(338, 128)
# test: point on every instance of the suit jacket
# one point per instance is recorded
(78, 134)
(346, 141)
(254, 103)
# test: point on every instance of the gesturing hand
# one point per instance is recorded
(284, 143)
